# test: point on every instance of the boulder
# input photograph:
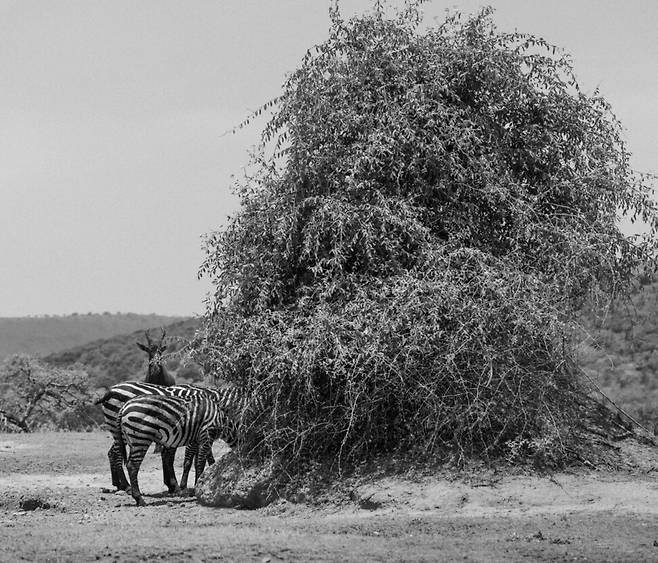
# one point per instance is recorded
(229, 484)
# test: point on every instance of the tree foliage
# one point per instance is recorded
(407, 266)
(33, 394)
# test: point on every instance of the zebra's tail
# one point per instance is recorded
(122, 446)
(103, 398)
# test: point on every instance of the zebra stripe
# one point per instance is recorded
(172, 422)
(111, 403)
(235, 403)
(229, 398)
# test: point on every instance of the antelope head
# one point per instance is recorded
(157, 372)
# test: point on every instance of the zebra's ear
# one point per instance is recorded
(142, 347)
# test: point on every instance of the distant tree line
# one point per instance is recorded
(39, 336)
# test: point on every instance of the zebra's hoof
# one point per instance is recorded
(140, 501)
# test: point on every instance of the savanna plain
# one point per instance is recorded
(53, 508)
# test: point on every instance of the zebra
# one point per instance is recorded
(172, 422)
(232, 399)
(235, 402)
(111, 403)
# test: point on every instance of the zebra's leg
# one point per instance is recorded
(205, 446)
(191, 450)
(212, 436)
(119, 479)
(168, 472)
(137, 453)
(111, 454)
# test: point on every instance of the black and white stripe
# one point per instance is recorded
(171, 422)
(111, 404)
(235, 403)
(229, 398)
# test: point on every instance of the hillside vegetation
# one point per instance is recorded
(622, 357)
(39, 336)
(117, 359)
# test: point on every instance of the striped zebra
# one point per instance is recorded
(172, 422)
(111, 404)
(230, 398)
(235, 403)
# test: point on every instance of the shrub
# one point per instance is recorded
(407, 267)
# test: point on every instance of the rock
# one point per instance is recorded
(371, 497)
(34, 503)
(228, 484)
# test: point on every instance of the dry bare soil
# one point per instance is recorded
(52, 508)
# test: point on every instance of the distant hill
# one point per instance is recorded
(623, 358)
(117, 359)
(39, 336)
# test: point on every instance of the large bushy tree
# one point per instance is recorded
(430, 212)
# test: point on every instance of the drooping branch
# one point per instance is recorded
(35, 392)
(29, 408)
(20, 423)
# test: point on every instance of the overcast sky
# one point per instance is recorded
(112, 162)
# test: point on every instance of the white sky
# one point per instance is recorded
(112, 163)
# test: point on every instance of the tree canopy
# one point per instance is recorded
(430, 210)
(33, 394)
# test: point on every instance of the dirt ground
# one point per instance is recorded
(52, 508)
